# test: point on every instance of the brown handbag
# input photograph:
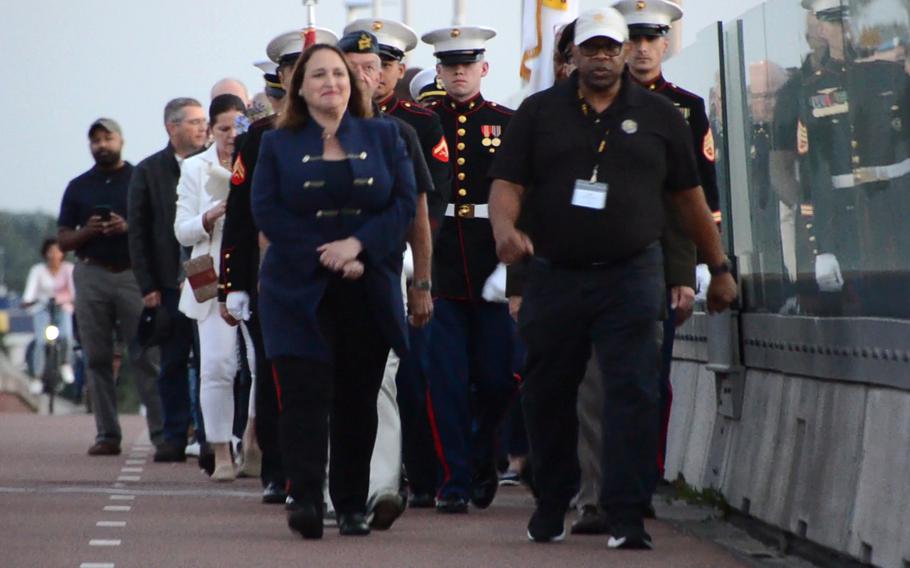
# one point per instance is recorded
(200, 274)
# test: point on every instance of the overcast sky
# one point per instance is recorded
(65, 63)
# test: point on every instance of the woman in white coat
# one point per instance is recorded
(199, 223)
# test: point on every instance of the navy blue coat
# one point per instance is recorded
(293, 207)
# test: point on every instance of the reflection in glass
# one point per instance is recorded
(829, 160)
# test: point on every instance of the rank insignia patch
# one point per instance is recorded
(802, 139)
(239, 172)
(441, 151)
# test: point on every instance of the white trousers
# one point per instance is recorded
(217, 367)
(385, 465)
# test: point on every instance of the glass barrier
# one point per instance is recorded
(698, 69)
(825, 222)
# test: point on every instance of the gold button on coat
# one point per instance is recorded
(462, 119)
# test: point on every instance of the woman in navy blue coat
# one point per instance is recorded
(334, 194)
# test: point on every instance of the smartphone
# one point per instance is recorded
(103, 211)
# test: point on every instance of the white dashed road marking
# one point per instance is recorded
(117, 508)
(128, 478)
(131, 469)
(123, 497)
(111, 524)
(97, 565)
(103, 542)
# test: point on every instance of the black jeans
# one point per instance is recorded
(321, 400)
(616, 309)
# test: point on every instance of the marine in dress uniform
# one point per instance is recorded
(470, 339)
(240, 258)
(851, 143)
(426, 87)
(394, 41)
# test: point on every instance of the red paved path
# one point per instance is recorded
(52, 495)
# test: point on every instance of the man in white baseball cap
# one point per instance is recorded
(597, 149)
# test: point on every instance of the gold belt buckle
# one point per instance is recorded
(466, 211)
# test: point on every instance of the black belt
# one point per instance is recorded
(109, 266)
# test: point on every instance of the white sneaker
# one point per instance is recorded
(193, 449)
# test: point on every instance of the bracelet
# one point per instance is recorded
(423, 284)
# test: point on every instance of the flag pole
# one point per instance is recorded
(309, 33)
(458, 18)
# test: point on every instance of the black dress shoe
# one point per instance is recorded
(273, 494)
(422, 501)
(452, 505)
(169, 452)
(484, 484)
(104, 449)
(305, 520)
(591, 521)
(353, 524)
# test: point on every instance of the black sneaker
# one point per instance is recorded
(547, 527)
(630, 538)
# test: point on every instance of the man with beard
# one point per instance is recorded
(578, 161)
(155, 253)
(93, 223)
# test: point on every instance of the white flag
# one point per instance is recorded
(542, 18)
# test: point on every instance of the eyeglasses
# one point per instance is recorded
(610, 49)
(193, 122)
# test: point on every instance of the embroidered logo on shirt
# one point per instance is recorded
(239, 172)
(441, 151)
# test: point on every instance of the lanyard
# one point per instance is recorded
(602, 147)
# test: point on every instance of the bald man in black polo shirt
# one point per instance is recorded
(587, 164)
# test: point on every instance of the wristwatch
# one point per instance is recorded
(424, 284)
(722, 268)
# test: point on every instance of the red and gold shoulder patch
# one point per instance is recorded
(802, 139)
(441, 151)
(239, 172)
(707, 147)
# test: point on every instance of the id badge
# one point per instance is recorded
(589, 194)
